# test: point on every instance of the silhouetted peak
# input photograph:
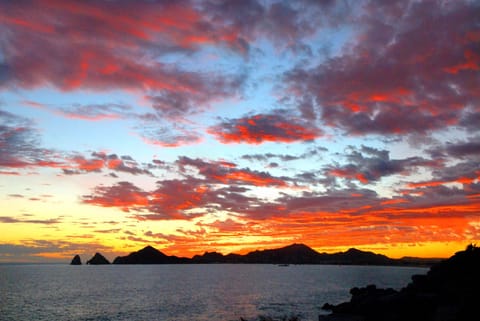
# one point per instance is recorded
(298, 246)
(150, 249)
(76, 260)
(98, 259)
(147, 255)
(353, 250)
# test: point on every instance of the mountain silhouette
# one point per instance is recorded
(355, 256)
(148, 255)
(291, 254)
(98, 259)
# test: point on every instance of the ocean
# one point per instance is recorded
(213, 292)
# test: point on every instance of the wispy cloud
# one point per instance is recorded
(11, 220)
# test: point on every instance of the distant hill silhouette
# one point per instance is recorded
(291, 254)
(354, 256)
(148, 255)
(98, 259)
(448, 292)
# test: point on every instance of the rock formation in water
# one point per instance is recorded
(76, 260)
(98, 259)
(448, 292)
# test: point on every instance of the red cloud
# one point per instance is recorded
(257, 179)
(124, 195)
(169, 201)
(101, 161)
(397, 79)
(88, 165)
(129, 38)
(264, 128)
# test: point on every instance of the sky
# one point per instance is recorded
(230, 126)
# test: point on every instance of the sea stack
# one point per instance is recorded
(98, 259)
(76, 260)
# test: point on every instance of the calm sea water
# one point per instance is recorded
(182, 292)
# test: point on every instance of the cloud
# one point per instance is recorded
(206, 186)
(460, 158)
(100, 161)
(19, 148)
(310, 153)
(55, 48)
(283, 23)
(93, 112)
(466, 173)
(377, 165)
(124, 195)
(401, 75)
(459, 150)
(261, 128)
(169, 201)
(228, 173)
(19, 145)
(11, 220)
(202, 89)
(175, 136)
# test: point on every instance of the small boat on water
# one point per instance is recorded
(283, 264)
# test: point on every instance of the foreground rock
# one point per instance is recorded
(98, 259)
(76, 260)
(448, 292)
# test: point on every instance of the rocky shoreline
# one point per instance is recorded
(448, 292)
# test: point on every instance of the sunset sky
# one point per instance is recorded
(237, 125)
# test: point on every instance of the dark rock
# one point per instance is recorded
(76, 260)
(448, 292)
(98, 259)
